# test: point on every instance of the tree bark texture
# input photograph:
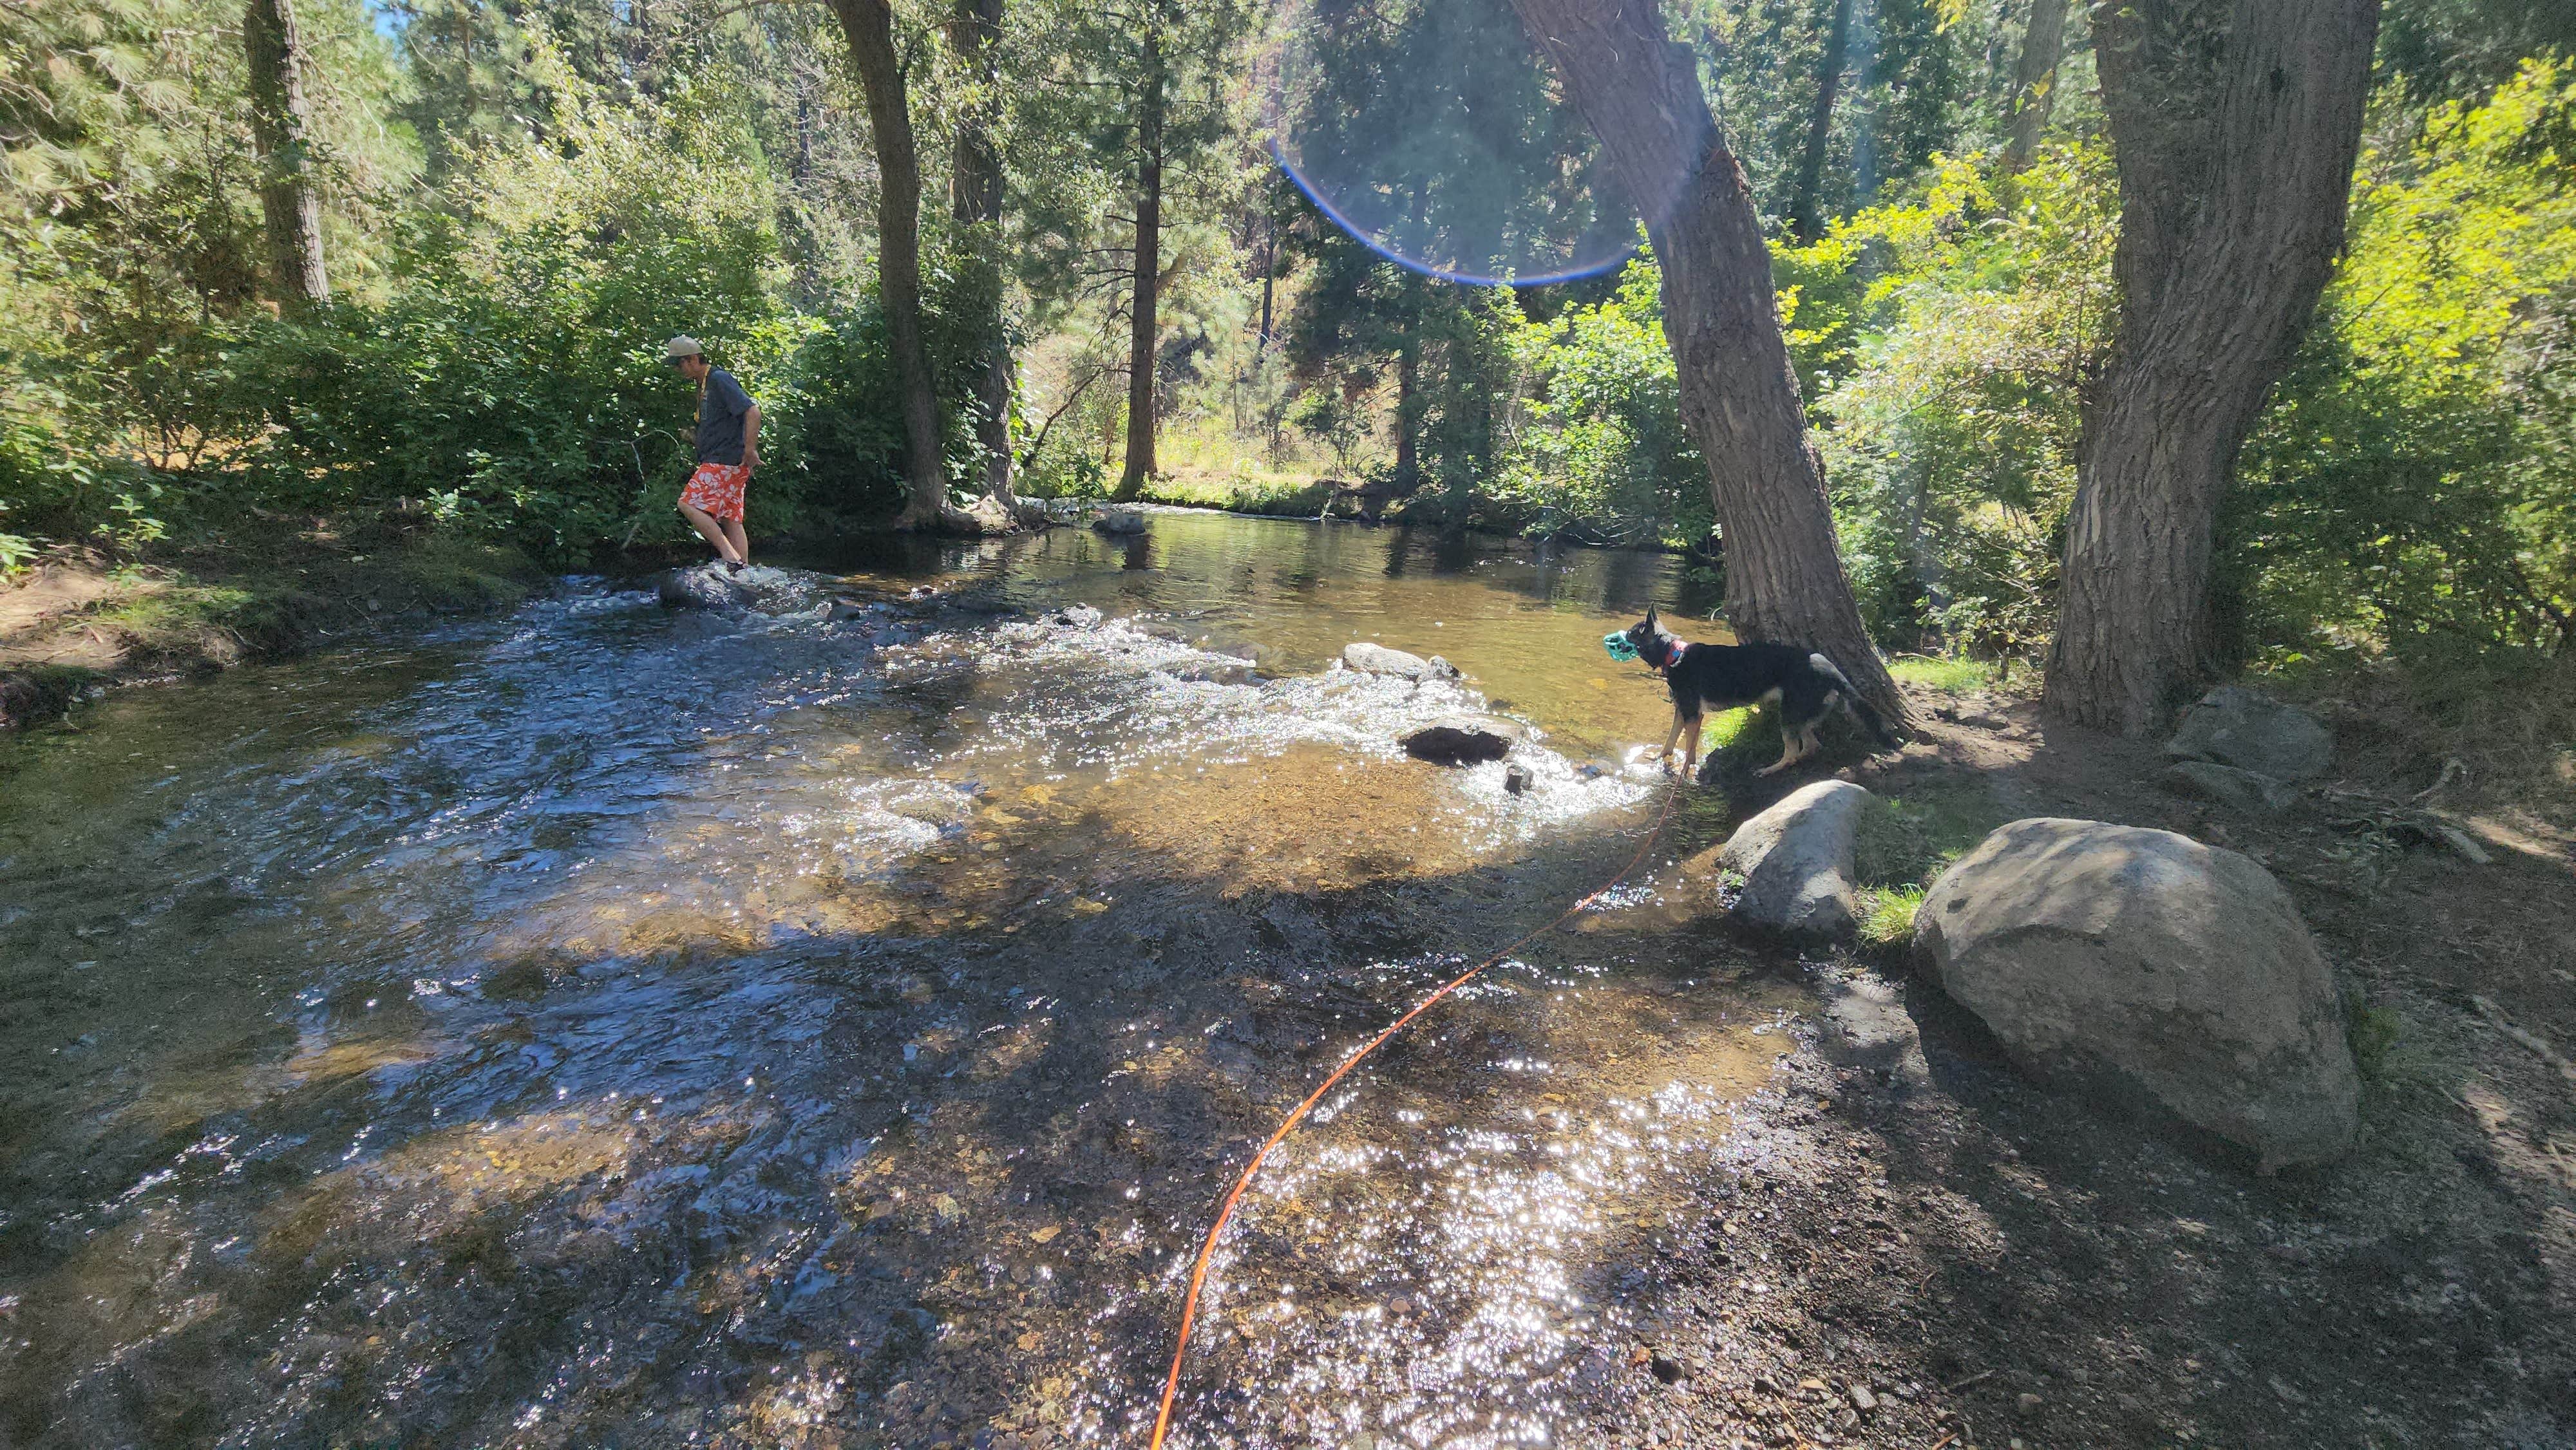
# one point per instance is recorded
(290, 199)
(1148, 281)
(1640, 94)
(1805, 207)
(868, 27)
(2034, 91)
(2234, 124)
(975, 199)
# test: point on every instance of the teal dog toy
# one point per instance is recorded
(1621, 648)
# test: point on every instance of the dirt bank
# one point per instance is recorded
(1934, 1252)
(77, 623)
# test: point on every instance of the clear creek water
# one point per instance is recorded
(606, 1026)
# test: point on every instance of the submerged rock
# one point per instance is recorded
(1463, 740)
(708, 586)
(1377, 659)
(1119, 521)
(1796, 859)
(2206, 780)
(2152, 965)
(2252, 731)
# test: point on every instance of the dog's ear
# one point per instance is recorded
(1650, 616)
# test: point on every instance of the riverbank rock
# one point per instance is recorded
(1463, 740)
(708, 586)
(1119, 521)
(2207, 780)
(1796, 859)
(2249, 730)
(2146, 963)
(1377, 659)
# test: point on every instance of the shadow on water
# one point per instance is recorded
(611, 1027)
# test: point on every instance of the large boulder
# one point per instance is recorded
(1120, 521)
(2147, 963)
(1463, 740)
(1796, 860)
(2252, 731)
(708, 586)
(1377, 659)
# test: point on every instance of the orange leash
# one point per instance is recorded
(1225, 1213)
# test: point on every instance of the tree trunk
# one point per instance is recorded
(975, 199)
(1269, 278)
(868, 26)
(290, 203)
(1149, 270)
(1640, 93)
(1806, 207)
(2234, 124)
(2034, 90)
(1408, 410)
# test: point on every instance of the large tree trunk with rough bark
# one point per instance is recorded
(868, 27)
(2034, 92)
(2234, 124)
(290, 200)
(975, 200)
(1805, 207)
(1640, 93)
(1148, 281)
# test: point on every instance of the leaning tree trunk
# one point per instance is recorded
(1806, 207)
(2034, 91)
(1640, 93)
(289, 201)
(975, 199)
(868, 27)
(1149, 272)
(2234, 124)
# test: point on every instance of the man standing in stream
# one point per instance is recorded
(728, 450)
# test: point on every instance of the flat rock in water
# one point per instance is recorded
(1377, 659)
(2207, 780)
(1796, 859)
(2252, 731)
(2149, 964)
(1463, 740)
(708, 586)
(1120, 521)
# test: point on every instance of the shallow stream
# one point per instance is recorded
(606, 1026)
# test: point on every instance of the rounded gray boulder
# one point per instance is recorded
(2143, 962)
(1796, 860)
(2250, 730)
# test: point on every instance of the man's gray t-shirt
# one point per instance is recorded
(720, 410)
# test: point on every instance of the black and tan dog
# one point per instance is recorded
(1804, 684)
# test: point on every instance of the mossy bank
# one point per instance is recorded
(75, 624)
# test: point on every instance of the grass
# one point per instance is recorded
(1252, 491)
(1947, 674)
(1902, 843)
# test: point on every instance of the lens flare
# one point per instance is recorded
(1432, 133)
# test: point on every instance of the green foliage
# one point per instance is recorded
(2415, 479)
(1951, 335)
(1596, 443)
(1887, 915)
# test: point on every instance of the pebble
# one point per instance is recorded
(1862, 1400)
(2026, 1402)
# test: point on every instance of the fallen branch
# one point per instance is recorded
(2533, 1040)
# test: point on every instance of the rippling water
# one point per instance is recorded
(835, 1024)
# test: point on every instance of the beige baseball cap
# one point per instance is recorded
(680, 347)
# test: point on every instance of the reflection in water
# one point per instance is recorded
(834, 1026)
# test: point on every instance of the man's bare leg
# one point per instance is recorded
(741, 541)
(715, 534)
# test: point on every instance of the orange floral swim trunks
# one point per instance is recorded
(716, 488)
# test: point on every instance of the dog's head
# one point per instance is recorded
(1645, 639)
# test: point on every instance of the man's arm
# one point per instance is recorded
(751, 436)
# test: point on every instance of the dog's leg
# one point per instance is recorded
(1690, 748)
(1790, 754)
(1665, 756)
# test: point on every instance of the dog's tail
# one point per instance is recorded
(1861, 709)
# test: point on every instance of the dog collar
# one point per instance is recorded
(1674, 655)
